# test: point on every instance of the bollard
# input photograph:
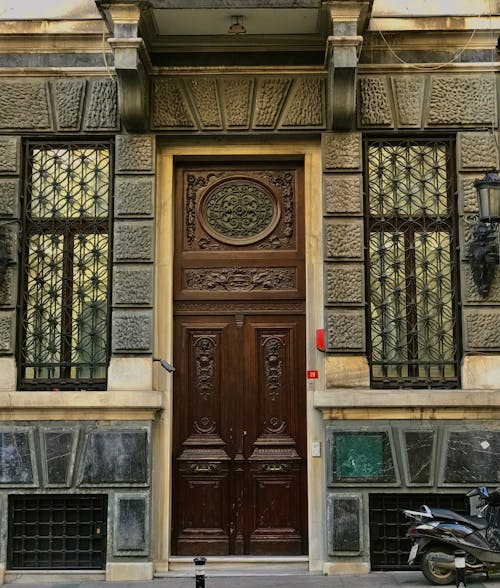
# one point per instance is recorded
(460, 568)
(199, 570)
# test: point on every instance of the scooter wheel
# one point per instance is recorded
(433, 572)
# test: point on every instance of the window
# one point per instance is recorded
(64, 294)
(412, 264)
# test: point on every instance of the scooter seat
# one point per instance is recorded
(450, 515)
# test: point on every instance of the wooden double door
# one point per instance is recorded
(239, 480)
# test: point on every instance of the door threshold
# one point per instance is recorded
(238, 565)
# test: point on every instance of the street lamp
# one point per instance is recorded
(488, 197)
(483, 249)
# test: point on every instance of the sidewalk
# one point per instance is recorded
(373, 580)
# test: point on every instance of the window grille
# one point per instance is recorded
(412, 264)
(64, 293)
(57, 532)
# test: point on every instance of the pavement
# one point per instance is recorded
(373, 580)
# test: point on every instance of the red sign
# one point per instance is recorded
(320, 339)
(312, 374)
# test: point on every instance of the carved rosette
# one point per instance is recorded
(223, 211)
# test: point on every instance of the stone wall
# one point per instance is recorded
(84, 457)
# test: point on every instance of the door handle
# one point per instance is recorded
(203, 468)
(275, 468)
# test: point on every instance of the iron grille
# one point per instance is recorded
(64, 304)
(389, 547)
(57, 532)
(412, 264)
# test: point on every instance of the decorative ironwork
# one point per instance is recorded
(483, 258)
(239, 211)
(240, 279)
(57, 532)
(66, 267)
(412, 268)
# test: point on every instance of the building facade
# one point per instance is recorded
(238, 313)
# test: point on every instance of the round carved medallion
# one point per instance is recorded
(239, 211)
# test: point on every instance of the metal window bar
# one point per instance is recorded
(389, 546)
(412, 271)
(57, 532)
(66, 266)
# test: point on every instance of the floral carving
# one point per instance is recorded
(273, 366)
(240, 279)
(204, 351)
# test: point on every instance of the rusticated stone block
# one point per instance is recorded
(132, 331)
(344, 239)
(7, 329)
(482, 329)
(135, 153)
(9, 197)
(374, 108)
(271, 94)
(237, 95)
(169, 105)
(477, 151)
(133, 241)
(24, 104)
(345, 330)
(205, 98)
(468, 222)
(306, 105)
(469, 290)
(68, 98)
(8, 288)
(12, 240)
(344, 284)
(462, 100)
(409, 98)
(134, 196)
(102, 108)
(10, 153)
(343, 193)
(133, 285)
(341, 151)
(467, 194)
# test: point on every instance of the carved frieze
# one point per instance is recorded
(24, 104)
(68, 98)
(409, 99)
(462, 100)
(170, 108)
(271, 93)
(236, 279)
(237, 95)
(305, 107)
(374, 102)
(205, 98)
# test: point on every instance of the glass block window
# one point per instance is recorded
(412, 264)
(64, 294)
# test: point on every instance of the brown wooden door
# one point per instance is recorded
(239, 386)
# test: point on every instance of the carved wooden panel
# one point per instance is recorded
(248, 211)
(239, 386)
(240, 435)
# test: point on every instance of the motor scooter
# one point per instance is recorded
(437, 533)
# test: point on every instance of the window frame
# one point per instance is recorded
(413, 380)
(67, 227)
